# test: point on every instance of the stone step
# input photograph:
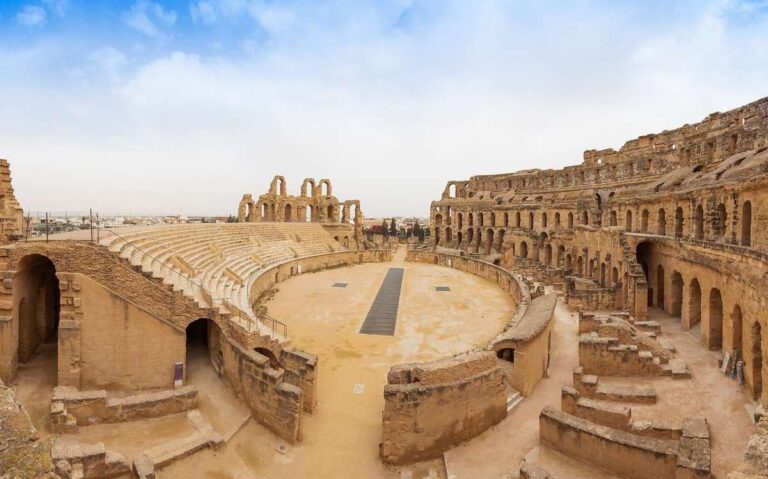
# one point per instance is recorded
(677, 369)
(513, 399)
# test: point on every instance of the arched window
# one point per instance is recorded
(662, 222)
(644, 222)
(628, 221)
(614, 219)
(698, 222)
(746, 224)
(570, 220)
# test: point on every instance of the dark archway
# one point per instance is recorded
(756, 360)
(523, 249)
(644, 221)
(722, 221)
(506, 354)
(614, 218)
(676, 306)
(489, 241)
(715, 320)
(288, 213)
(679, 222)
(661, 220)
(660, 286)
(746, 223)
(694, 304)
(203, 340)
(628, 221)
(37, 307)
(570, 220)
(698, 222)
(274, 363)
(737, 330)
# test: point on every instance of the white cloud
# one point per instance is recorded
(210, 11)
(149, 18)
(110, 61)
(389, 110)
(31, 16)
(58, 7)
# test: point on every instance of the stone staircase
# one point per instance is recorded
(514, 398)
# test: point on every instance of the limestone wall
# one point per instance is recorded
(624, 453)
(430, 407)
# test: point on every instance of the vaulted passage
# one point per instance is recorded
(382, 317)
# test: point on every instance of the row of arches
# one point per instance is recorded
(718, 221)
(309, 188)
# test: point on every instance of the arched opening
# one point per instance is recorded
(756, 360)
(288, 213)
(543, 220)
(470, 236)
(722, 219)
(460, 219)
(500, 241)
(557, 220)
(488, 241)
(548, 255)
(570, 220)
(591, 268)
(602, 275)
(204, 356)
(628, 221)
(480, 219)
(560, 256)
(273, 361)
(679, 222)
(530, 220)
(615, 277)
(329, 215)
(568, 262)
(438, 220)
(662, 222)
(715, 320)
(614, 218)
(265, 212)
(506, 354)
(694, 305)
(36, 309)
(459, 239)
(506, 219)
(644, 221)
(471, 219)
(698, 222)
(585, 217)
(517, 219)
(746, 223)
(736, 330)
(523, 249)
(452, 190)
(676, 308)
(579, 266)
(309, 214)
(660, 286)
(448, 235)
(493, 219)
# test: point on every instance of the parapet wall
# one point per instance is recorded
(430, 407)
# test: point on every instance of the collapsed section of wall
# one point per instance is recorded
(430, 407)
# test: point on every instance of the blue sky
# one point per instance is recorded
(180, 107)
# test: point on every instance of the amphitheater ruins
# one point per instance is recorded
(603, 320)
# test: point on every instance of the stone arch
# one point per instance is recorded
(274, 363)
(602, 275)
(470, 236)
(679, 222)
(288, 213)
(500, 241)
(746, 223)
(493, 219)
(715, 320)
(698, 222)
(471, 219)
(36, 312)
(614, 277)
(628, 221)
(548, 254)
(203, 345)
(660, 286)
(328, 191)
(579, 266)
(530, 220)
(694, 303)
(543, 220)
(676, 295)
(312, 188)
(614, 218)
(309, 213)
(737, 330)
(329, 214)
(448, 235)
(489, 241)
(661, 222)
(570, 220)
(281, 190)
(517, 219)
(506, 218)
(438, 219)
(585, 217)
(247, 211)
(644, 221)
(523, 249)
(722, 220)
(557, 219)
(460, 220)
(568, 262)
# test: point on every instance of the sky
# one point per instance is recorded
(180, 107)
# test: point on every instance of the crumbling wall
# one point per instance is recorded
(430, 407)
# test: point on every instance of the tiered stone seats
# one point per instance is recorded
(216, 264)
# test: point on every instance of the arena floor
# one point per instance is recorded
(344, 433)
